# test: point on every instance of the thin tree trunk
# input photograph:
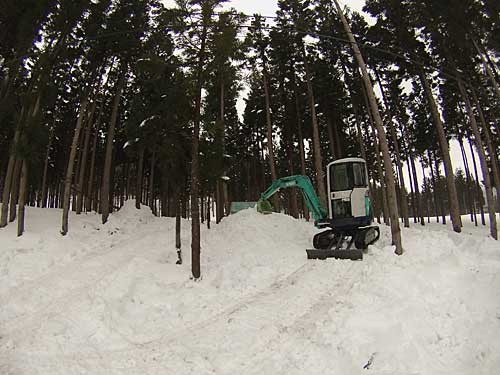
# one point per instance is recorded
(478, 192)
(22, 198)
(14, 193)
(91, 190)
(425, 188)
(195, 173)
(470, 199)
(434, 186)
(208, 211)
(138, 183)
(269, 135)
(106, 174)
(71, 164)
(397, 152)
(482, 160)
(331, 138)
(488, 70)
(83, 164)
(45, 170)
(301, 146)
(318, 161)
(445, 152)
(151, 182)
(439, 200)
(178, 243)
(417, 192)
(412, 192)
(495, 170)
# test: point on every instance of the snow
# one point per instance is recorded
(109, 299)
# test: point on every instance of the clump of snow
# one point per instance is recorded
(109, 299)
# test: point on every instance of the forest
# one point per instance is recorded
(102, 101)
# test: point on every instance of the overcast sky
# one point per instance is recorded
(269, 7)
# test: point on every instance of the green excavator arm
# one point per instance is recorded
(304, 184)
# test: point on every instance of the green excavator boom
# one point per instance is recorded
(313, 203)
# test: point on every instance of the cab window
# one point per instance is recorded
(359, 175)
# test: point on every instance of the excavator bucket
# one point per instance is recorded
(264, 207)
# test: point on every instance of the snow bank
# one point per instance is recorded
(109, 299)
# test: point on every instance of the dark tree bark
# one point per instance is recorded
(418, 205)
(151, 183)
(478, 191)
(106, 177)
(482, 160)
(301, 145)
(22, 198)
(91, 189)
(445, 152)
(138, 183)
(195, 172)
(470, 199)
(178, 229)
(83, 165)
(316, 143)
(397, 152)
(71, 164)
(45, 170)
(269, 135)
(14, 193)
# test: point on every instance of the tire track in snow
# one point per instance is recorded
(195, 338)
(170, 338)
(88, 279)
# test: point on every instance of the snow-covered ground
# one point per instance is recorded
(109, 299)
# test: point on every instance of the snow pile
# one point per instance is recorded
(109, 299)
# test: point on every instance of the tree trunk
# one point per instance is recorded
(84, 157)
(397, 152)
(331, 137)
(301, 146)
(269, 135)
(91, 190)
(417, 192)
(71, 164)
(445, 152)
(208, 211)
(488, 70)
(470, 199)
(106, 174)
(14, 192)
(178, 225)
(434, 185)
(478, 192)
(439, 200)
(412, 192)
(151, 182)
(195, 172)
(482, 160)
(22, 198)
(45, 170)
(495, 170)
(318, 162)
(138, 182)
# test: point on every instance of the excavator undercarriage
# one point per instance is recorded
(335, 243)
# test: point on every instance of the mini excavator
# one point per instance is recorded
(349, 215)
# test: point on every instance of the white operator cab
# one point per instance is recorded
(348, 193)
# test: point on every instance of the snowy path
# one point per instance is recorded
(110, 300)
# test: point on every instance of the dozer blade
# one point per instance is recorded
(352, 254)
